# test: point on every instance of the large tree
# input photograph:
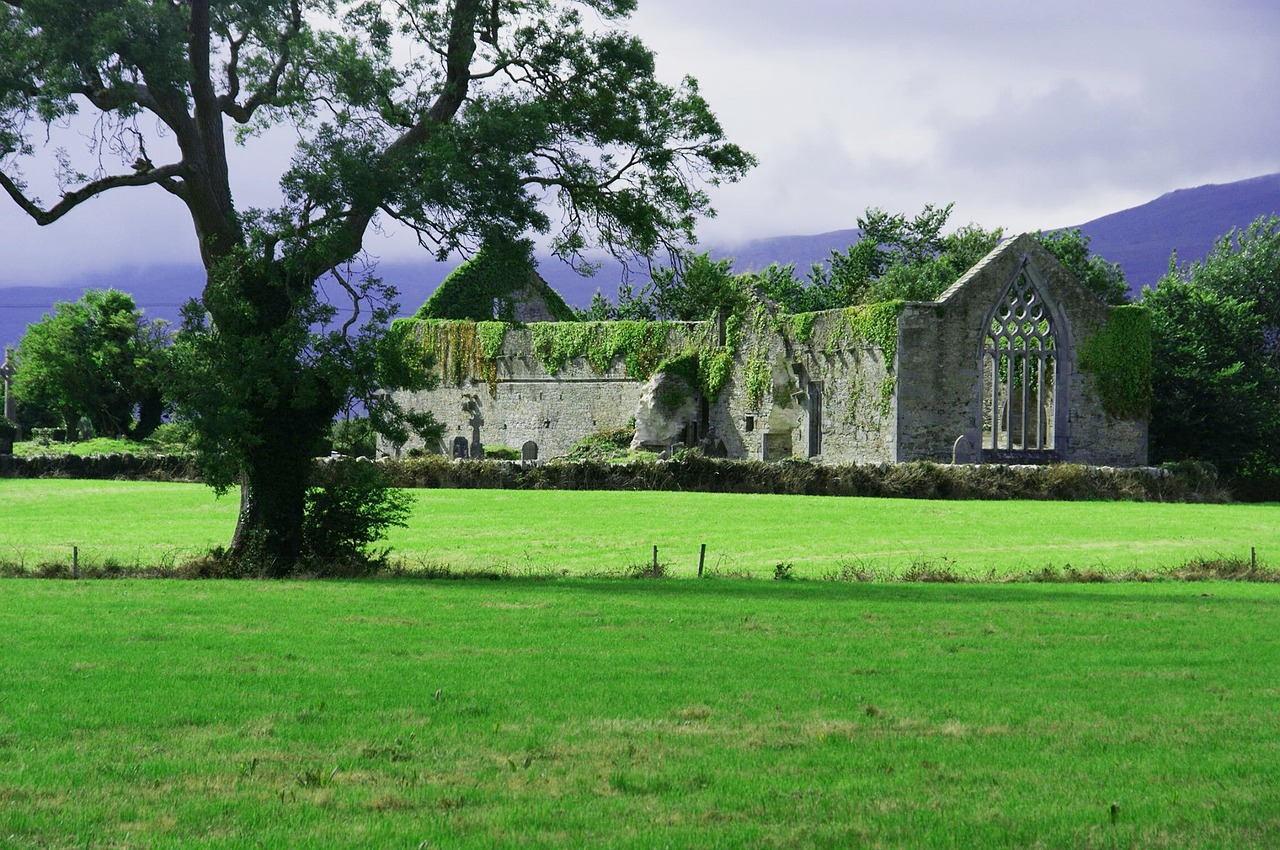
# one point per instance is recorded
(463, 120)
(1216, 340)
(96, 359)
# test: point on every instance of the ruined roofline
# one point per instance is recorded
(978, 267)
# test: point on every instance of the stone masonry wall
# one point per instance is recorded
(807, 357)
(879, 384)
(939, 392)
(528, 404)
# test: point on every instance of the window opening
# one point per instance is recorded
(1019, 372)
(815, 419)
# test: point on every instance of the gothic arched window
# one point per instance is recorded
(1019, 371)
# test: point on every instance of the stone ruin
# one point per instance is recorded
(989, 372)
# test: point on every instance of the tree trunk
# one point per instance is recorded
(288, 412)
(273, 492)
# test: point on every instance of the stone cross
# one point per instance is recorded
(7, 370)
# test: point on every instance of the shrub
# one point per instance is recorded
(349, 507)
(8, 430)
(353, 437)
(501, 453)
(606, 444)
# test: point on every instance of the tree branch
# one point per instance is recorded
(453, 93)
(243, 113)
(163, 176)
(355, 304)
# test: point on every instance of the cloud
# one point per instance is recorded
(1026, 115)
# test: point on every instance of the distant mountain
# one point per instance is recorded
(799, 251)
(1189, 221)
(1140, 239)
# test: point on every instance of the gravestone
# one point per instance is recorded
(460, 448)
(529, 451)
(7, 370)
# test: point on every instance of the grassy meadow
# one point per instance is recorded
(538, 532)
(598, 713)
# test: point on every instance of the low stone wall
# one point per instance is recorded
(114, 466)
(1189, 482)
(918, 480)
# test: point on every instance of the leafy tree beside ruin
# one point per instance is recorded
(96, 359)
(1216, 357)
(461, 121)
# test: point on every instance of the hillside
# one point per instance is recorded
(1142, 239)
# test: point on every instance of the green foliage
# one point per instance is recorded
(715, 367)
(605, 445)
(489, 335)
(695, 288)
(684, 370)
(1245, 265)
(901, 259)
(876, 324)
(640, 345)
(486, 286)
(781, 285)
(354, 437)
(8, 430)
(459, 350)
(1216, 327)
(97, 359)
(758, 376)
(501, 453)
(802, 326)
(1103, 279)
(630, 306)
(350, 505)
(884, 402)
(1119, 358)
(1214, 396)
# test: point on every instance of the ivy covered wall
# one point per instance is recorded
(886, 382)
(492, 285)
(1119, 358)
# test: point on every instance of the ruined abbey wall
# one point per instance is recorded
(877, 384)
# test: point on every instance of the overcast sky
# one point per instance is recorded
(1025, 114)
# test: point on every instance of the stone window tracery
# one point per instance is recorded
(1020, 372)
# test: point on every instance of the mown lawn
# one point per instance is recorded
(612, 713)
(593, 532)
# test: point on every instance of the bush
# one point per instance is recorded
(353, 437)
(175, 437)
(608, 444)
(501, 453)
(8, 430)
(349, 507)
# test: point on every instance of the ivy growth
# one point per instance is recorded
(641, 345)
(461, 350)
(496, 275)
(759, 379)
(877, 324)
(1119, 358)
(802, 326)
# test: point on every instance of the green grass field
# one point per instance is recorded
(598, 713)
(592, 532)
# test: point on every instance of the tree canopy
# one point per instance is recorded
(462, 120)
(1215, 335)
(95, 359)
